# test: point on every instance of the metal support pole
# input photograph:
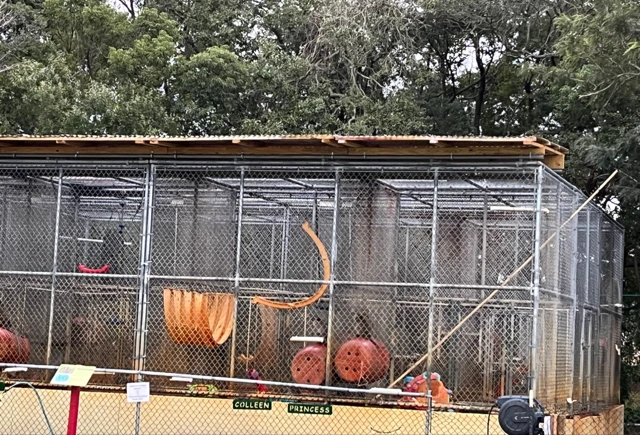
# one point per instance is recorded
(586, 344)
(314, 215)
(145, 272)
(595, 338)
(406, 253)
(483, 276)
(143, 292)
(334, 257)
(273, 249)
(574, 305)
(533, 363)
(54, 268)
(175, 242)
(434, 268)
(284, 248)
(236, 285)
(558, 242)
(74, 408)
(394, 301)
(3, 245)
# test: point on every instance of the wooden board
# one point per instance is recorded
(309, 145)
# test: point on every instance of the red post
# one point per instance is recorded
(74, 407)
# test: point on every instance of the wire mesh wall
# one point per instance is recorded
(340, 276)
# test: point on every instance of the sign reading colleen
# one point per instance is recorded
(254, 405)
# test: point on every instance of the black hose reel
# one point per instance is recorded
(516, 417)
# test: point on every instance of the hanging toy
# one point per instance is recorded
(84, 269)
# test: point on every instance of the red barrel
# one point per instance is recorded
(13, 349)
(361, 360)
(308, 366)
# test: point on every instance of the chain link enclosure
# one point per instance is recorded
(413, 249)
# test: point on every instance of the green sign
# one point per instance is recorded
(308, 408)
(252, 404)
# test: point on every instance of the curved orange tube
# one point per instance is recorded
(318, 294)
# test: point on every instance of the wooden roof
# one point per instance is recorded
(528, 147)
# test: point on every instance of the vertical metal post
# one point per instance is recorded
(428, 417)
(556, 244)
(175, 242)
(4, 229)
(284, 249)
(145, 264)
(406, 253)
(585, 347)
(574, 304)
(332, 278)
(483, 276)
(140, 347)
(595, 339)
(434, 268)
(273, 249)
(394, 301)
(236, 285)
(533, 355)
(74, 408)
(313, 270)
(314, 213)
(54, 269)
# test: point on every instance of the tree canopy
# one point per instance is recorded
(564, 69)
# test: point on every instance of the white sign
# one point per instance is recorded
(73, 375)
(138, 392)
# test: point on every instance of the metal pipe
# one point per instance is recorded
(334, 257)
(4, 227)
(432, 278)
(145, 259)
(533, 355)
(294, 163)
(596, 320)
(284, 248)
(484, 242)
(25, 273)
(249, 335)
(406, 254)
(54, 269)
(175, 243)
(574, 308)
(273, 250)
(377, 391)
(556, 294)
(585, 395)
(337, 282)
(556, 259)
(234, 331)
(314, 213)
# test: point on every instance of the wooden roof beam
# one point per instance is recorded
(348, 143)
(331, 142)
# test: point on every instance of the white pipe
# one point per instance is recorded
(82, 239)
(309, 339)
(181, 379)
(507, 208)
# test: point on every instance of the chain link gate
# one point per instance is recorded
(177, 274)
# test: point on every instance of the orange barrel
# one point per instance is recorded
(13, 349)
(361, 360)
(308, 366)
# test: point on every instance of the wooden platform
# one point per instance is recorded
(442, 147)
